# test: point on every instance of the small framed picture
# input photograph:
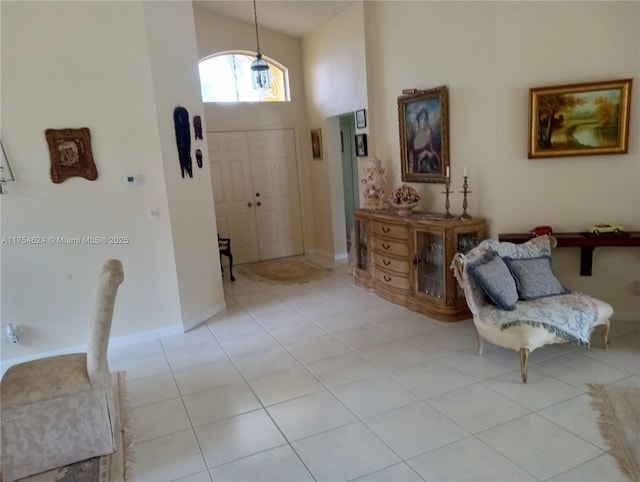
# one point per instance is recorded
(316, 144)
(70, 153)
(361, 118)
(361, 145)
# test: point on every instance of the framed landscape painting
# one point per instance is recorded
(423, 118)
(579, 119)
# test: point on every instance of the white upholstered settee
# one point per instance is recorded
(518, 303)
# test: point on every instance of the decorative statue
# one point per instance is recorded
(373, 185)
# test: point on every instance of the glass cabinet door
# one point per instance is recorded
(430, 264)
(362, 230)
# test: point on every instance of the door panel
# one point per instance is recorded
(274, 176)
(230, 168)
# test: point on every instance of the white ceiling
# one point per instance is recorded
(295, 18)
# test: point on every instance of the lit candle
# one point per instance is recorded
(465, 171)
(447, 175)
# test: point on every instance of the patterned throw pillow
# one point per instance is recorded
(534, 277)
(494, 277)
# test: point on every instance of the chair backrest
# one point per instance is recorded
(110, 278)
(474, 294)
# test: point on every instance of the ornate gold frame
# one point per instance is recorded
(579, 119)
(436, 102)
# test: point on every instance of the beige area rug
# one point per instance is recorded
(284, 271)
(115, 467)
(619, 422)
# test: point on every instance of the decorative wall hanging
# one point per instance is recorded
(316, 144)
(361, 118)
(199, 158)
(6, 173)
(70, 153)
(183, 139)
(579, 119)
(361, 145)
(197, 127)
(423, 117)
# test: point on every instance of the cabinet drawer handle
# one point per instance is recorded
(385, 229)
(386, 246)
(387, 278)
(386, 262)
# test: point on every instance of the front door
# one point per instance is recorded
(255, 187)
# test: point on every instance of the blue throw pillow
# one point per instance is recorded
(534, 277)
(494, 277)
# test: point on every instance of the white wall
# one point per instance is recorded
(95, 64)
(336, 83)
(489, 54)
(176, 82)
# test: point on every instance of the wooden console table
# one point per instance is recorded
(586, 242)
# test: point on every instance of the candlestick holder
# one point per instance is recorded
(465, 191)
(447, 204)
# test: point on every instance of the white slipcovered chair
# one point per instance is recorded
(60, 410)
(517, 303)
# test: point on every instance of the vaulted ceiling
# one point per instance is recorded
(291, 17)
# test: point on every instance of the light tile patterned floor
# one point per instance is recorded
(326, 381)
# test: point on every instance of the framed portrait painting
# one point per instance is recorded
(423, 118)
(579, 119)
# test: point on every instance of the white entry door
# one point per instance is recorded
(255, 187)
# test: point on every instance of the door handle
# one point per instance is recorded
(386, 262)
(257, 194)
(385, 229)
(386, 246)
(387, 278)
(258, 203)
(249, 204)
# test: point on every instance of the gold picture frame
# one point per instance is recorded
(70, 153)
(423, 118)
(579, 119)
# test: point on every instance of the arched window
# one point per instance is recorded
(226, 77)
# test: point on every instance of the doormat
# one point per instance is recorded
(619, 423)
(284, 271)
(115, 467)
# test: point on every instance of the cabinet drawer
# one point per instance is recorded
(387, 262)
(398, 231)
(397, 281)
(387, 246)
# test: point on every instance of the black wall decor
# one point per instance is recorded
(183, 139)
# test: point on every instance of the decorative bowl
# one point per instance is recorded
(404, 209)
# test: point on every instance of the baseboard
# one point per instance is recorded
(329, 256)
(114, 342)
(626, 316)
(196, 320)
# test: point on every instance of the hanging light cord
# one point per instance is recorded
(255, 16)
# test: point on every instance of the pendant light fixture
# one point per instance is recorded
(260, 77)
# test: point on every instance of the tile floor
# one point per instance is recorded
(326, 381)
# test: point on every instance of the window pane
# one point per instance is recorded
(227, 78)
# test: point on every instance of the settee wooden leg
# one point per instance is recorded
(480, 343)
(605, 335)
(524, 362)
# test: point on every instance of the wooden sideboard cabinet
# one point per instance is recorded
(407, 259)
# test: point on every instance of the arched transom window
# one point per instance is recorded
(226, 77)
